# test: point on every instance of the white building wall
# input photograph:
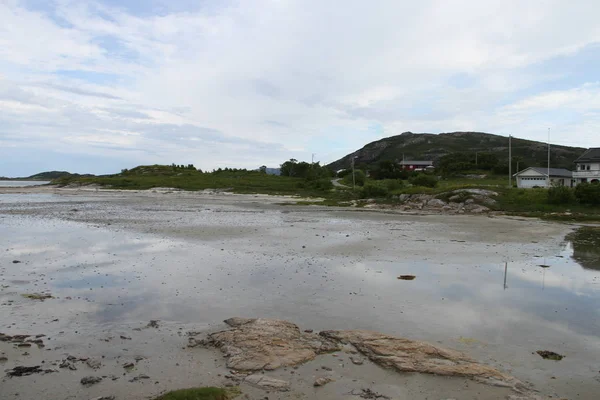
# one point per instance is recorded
(587, 172)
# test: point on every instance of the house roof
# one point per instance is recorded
(413, 162)
(558, 172)
(590, 155)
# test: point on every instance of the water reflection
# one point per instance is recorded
(585, 243)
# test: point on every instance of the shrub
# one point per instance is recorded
(560, 195)
(588, 193)
(392, 184)
(372, 189)
(321, 184)
(424, 180)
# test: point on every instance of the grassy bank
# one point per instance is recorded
(525, 202)
(238, 181)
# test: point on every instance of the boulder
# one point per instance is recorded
(436, 203)
(258, 344)
(405, 355)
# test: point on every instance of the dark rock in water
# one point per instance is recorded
(68, 363)
(16, 262)
(104, 398)
(37, 296)
(407, 277)
(128, 365)
(93, 363)
(3, 359)
(90, 380)
(368, 394)
(24, 371)
(550, 355)
(139, 377)
(5, 338)
(152, 324)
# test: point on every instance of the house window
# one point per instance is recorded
(588, 167)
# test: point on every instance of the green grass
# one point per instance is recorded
(201, 393)
(239, 182)
(525, 202)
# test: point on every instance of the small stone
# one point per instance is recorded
(267, 383)
(94, 364)
(326, 368)
(356, 360)
(128, 365)
(324, 380)
(90, 380)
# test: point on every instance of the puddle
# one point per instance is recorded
(585, 244)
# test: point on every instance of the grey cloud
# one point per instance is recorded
(79, 91)
(127, 113)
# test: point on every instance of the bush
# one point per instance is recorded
(560, 195)
(373, 190)
(588, 193)
(424, 180)
(321, 184)
(392, 184)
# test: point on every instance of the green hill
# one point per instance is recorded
(428, 146)
(43, 176)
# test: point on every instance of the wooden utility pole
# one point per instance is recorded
(509, 161)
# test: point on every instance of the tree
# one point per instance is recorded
(263, 169)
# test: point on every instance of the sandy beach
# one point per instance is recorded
(113, 261)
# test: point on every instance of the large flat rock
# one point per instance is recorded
(407, 355)
(257, 344)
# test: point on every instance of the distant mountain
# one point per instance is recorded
(428, 146)
(45, 176)
(49, 175)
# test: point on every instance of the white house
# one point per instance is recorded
(538, 177)
(588, 167)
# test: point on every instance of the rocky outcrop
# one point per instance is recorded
(257, 344)
(461, 201)
(405, 355)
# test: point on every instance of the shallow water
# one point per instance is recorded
(22, 183)
(499, 311)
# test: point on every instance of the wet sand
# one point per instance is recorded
(116, 260)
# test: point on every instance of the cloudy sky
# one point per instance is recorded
(96, 86)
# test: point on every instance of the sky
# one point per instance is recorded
(97, 86)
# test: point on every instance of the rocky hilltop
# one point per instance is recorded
(428, 146)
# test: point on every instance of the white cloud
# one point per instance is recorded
(290, 74)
